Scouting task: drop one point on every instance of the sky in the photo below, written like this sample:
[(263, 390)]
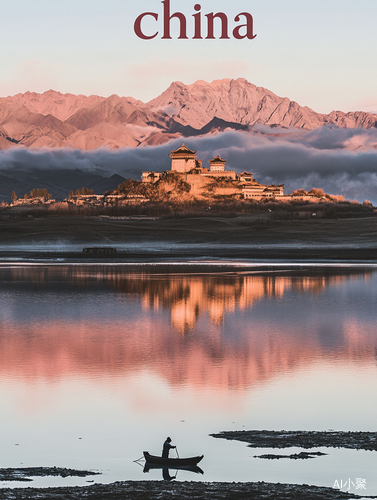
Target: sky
[(320, 54)]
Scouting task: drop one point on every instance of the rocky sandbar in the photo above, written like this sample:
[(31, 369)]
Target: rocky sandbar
[(26, 473), (303, 439)]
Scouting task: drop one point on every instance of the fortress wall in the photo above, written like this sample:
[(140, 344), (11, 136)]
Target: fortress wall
[(226, 191), (182, 164), (224, 173)]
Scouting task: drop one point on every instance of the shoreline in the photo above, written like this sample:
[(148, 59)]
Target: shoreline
[(152, 490), (195, 238), (278, 254), (192, 265)]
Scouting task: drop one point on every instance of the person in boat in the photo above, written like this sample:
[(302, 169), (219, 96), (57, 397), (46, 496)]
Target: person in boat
[(166, 448)]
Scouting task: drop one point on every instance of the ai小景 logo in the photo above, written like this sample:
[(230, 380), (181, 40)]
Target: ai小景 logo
[(359, 484)]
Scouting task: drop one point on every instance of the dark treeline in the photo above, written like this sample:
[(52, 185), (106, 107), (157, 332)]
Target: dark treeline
[(268, 210)]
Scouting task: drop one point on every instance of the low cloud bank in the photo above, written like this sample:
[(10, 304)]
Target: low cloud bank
[(340, 161)]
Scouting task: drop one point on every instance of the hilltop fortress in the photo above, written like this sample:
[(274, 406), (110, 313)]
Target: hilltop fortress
[(186, 181), (215, 178)]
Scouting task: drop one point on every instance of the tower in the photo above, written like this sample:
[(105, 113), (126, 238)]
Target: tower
[(217, 164), (183, 159)]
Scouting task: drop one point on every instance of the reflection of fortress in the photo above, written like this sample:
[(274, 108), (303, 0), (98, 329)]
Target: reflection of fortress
[(186, 296), (184, 162), (211, 353), (189, 297)]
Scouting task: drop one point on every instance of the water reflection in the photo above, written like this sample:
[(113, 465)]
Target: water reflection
[(122, 356), (166, 476), (227, 330)]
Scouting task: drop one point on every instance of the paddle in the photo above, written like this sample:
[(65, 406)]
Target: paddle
[(176, 450)]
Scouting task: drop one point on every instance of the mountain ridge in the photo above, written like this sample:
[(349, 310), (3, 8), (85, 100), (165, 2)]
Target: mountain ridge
[(53, 119)]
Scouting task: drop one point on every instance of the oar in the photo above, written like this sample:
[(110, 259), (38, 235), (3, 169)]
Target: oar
[(176, 450)]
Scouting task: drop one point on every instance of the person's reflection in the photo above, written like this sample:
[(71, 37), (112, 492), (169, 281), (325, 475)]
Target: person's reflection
[(166, 475)]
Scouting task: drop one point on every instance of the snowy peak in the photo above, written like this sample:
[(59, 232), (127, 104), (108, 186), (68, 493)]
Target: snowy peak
[(53, 119), (233, 101)]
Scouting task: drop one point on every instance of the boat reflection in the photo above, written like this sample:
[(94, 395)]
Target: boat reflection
[(166, 470)]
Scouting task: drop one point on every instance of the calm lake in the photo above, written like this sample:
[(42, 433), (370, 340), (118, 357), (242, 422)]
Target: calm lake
[(101, 362)]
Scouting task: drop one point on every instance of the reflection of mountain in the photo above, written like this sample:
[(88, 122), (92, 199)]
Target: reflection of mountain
[(238, 329)]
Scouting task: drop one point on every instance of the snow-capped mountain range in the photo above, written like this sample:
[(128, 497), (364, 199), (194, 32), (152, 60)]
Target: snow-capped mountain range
[(53, 119)]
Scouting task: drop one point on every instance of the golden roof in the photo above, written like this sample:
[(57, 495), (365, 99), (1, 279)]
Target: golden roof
[(183, 150), (217, 159)]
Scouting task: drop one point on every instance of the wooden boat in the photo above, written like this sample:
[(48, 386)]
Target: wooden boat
[(152, 459)]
